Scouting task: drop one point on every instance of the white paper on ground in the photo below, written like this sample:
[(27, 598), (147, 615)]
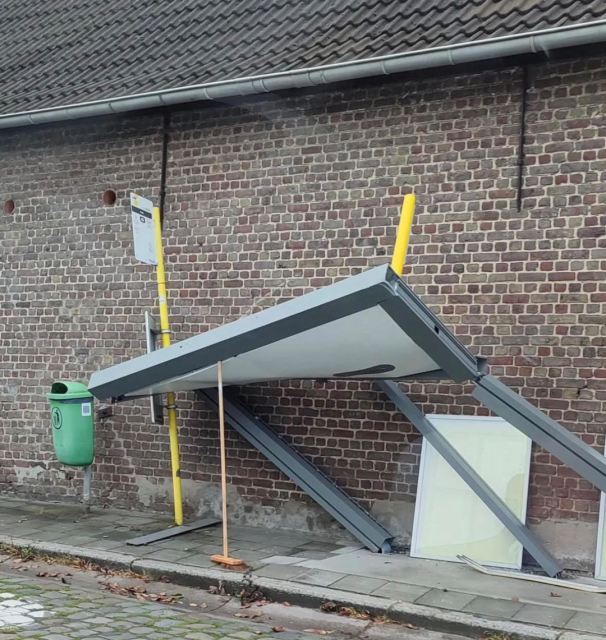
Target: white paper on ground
[(450, 519)]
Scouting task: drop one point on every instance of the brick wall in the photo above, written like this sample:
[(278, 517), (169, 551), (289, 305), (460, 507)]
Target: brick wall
[(272, 201)]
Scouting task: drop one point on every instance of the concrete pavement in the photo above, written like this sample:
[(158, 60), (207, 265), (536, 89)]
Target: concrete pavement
[(441, 596)]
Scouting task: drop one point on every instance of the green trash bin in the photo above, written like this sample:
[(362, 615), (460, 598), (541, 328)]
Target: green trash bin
[(72, 420)]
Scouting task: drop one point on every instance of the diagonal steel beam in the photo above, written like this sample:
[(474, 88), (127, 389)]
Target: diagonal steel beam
[(540, 428), (332, 498), (517, 528)]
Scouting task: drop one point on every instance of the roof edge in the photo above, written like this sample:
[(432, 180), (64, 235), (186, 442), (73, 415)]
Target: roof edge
[(448, 55)]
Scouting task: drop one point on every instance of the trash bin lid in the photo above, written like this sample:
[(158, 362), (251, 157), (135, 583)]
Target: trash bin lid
[(65, 389)]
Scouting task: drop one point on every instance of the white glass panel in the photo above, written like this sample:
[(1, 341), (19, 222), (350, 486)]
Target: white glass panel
[(450, 519)]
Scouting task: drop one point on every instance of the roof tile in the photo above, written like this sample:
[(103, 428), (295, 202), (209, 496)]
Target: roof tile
[(57, 52)]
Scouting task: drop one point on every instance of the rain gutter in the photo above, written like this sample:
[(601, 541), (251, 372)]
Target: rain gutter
[(451, 55)]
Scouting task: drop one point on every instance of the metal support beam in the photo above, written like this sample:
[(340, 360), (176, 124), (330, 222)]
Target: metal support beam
[(547, 433), (172, 532), (86, 489), (330, 497), (152, 333), (430, 334), (517, 528)]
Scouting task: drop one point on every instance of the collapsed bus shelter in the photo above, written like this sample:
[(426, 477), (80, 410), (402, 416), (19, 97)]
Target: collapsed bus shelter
[(367, 327)]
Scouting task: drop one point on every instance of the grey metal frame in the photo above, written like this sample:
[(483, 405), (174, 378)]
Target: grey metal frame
[(330, 497), (152, 332), (172, 532), (475, 482), (547, 433), (379, 286)]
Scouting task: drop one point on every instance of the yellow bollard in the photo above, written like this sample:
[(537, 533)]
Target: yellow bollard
[(170, 397), (401, 248)]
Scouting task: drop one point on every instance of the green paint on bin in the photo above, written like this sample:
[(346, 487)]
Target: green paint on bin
[(72, 423)]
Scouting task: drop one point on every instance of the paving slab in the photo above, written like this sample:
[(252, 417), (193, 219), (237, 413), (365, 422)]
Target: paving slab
[(590, 622), (493, 607), (545, 616), (317, 577), (347, 549), (280, 571), (196, 560), (445, 599), (358, 584), (168, 555), (454, 577), (282, 560), (400, 592)]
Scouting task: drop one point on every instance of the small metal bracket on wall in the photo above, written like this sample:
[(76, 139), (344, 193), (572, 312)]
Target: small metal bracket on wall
[(152, 334)]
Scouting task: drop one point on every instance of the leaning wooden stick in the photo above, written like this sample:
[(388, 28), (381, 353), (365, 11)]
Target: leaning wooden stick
[(225, 558)]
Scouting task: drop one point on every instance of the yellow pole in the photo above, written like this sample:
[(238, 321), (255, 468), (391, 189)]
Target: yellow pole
[(223, 459), (170, 397), (401, 248)]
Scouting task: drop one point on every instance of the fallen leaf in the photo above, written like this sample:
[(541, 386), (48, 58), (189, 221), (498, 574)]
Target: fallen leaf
[(321, 632), (411, 626), (42, 574), (351, 612), (164, 579), (277, 629), (553, 594), (256, 614), (203, 605), (193, 604), (287, 604), (17, 560), (241, 615)]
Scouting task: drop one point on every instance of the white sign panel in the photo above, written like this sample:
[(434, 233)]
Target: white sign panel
[(143, 229)]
